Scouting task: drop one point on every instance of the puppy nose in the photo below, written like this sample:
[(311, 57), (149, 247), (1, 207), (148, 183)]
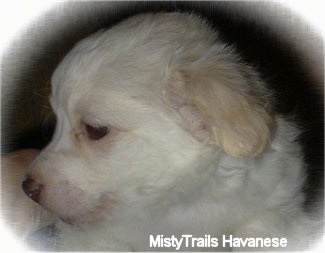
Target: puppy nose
[(32, 189)]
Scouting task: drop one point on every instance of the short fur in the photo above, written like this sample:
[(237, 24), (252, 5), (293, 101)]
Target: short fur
[(195, 147)]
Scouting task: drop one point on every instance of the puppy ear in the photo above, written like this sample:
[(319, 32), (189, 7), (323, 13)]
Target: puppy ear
[(225, 107)]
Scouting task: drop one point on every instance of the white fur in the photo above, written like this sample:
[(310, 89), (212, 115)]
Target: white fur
[(175, 161)]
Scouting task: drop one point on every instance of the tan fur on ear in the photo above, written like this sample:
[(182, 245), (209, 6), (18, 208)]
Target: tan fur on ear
[(230, 108)]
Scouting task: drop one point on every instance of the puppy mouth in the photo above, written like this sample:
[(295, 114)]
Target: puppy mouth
[(83, 220), (75, 221), (68, 220), (93, 217)]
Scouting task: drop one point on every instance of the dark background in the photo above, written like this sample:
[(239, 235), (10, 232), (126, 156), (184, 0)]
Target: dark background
[(27, 120)]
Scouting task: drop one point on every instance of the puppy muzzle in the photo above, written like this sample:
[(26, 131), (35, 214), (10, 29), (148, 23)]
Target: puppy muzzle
[(32, 189)]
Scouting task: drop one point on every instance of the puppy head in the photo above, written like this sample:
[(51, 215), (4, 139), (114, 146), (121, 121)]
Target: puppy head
[(140, 107)]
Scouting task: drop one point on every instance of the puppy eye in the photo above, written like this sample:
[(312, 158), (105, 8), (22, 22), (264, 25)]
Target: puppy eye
[(96, 133)]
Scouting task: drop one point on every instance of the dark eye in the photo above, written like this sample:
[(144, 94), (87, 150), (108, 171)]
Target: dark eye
[(96, 133)]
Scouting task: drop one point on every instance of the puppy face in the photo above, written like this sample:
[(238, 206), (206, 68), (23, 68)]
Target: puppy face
[(108, 145), (139, 107)]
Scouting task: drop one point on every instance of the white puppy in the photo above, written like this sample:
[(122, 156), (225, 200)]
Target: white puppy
[(163, 130)]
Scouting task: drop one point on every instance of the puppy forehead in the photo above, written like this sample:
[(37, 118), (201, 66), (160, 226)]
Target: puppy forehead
[(144, 44), (95, 74), (111, 101), (132, 58), (104, 105)]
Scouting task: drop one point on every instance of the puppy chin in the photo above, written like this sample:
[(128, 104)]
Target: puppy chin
[(63, 200), (92, 218), (95, 216)]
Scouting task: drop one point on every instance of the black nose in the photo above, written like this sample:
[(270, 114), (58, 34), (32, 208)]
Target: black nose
[(32, 189)]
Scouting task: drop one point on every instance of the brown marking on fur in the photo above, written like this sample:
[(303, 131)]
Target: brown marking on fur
[(232, 114)]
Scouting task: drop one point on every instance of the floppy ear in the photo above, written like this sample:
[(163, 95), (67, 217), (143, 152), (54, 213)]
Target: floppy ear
[(225, 107)]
